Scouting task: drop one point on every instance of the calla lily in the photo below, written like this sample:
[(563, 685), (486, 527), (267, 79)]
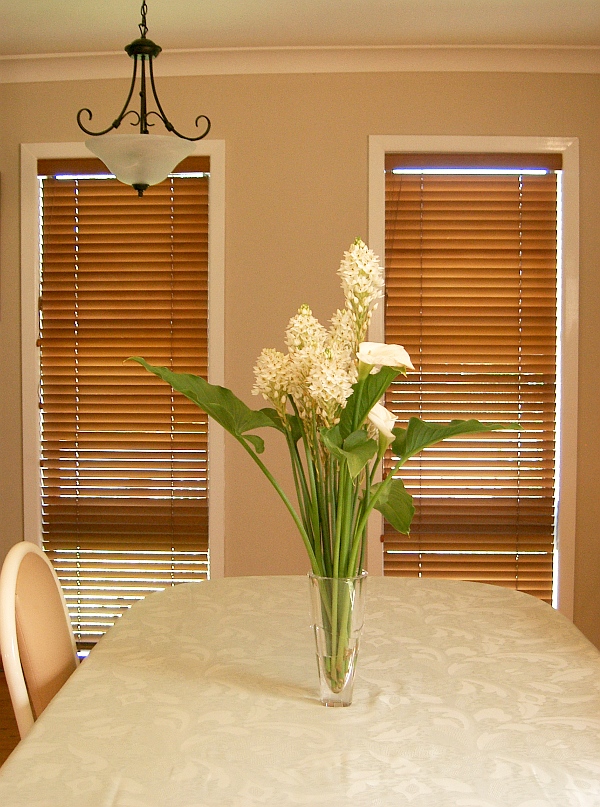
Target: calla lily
[(384, 422), (378, 355)]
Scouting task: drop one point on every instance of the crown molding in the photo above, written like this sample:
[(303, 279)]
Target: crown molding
[(359, 59)]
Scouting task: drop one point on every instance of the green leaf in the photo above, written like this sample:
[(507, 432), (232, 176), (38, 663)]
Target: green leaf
[(257, 442), (294, 426), (419, 434), (356, 450), (365, 395), (276, 421), (332, 441), (218, 402), (395, 504), (356, 439)]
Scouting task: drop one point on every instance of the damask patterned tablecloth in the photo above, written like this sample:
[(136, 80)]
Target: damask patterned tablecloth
[(205, 695)]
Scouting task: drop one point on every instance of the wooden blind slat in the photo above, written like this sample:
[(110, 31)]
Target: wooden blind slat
[(471, 285), (124, 461)]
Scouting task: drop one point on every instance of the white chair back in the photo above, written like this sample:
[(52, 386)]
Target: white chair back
[(37, 643)]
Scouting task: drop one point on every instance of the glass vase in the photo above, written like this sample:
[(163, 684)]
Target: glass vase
[(337, 611)]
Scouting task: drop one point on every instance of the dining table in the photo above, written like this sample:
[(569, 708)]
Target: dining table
[(206, 695)]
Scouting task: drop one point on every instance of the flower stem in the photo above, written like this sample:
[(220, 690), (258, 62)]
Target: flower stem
[(297, 520)]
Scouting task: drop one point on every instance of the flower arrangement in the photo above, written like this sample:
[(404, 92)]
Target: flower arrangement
[(325, 397)]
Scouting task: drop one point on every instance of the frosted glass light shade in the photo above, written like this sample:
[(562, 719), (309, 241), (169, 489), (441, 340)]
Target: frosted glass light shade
[(140, 160)]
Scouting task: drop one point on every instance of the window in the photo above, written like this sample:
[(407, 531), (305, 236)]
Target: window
[(471, 268), (124, 482), (471, 292)]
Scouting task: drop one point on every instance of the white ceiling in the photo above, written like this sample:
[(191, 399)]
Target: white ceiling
[(85, 26)]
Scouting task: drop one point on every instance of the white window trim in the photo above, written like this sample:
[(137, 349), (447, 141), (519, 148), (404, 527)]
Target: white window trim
[(30, 357), (568, 346)]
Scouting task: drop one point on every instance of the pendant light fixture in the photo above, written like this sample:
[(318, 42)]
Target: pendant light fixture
[(141, 159)]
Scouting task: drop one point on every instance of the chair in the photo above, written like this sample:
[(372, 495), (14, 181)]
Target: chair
[(37, 643)]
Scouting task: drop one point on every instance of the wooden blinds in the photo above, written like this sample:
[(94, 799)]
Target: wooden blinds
[(124, 460), (471, 274)]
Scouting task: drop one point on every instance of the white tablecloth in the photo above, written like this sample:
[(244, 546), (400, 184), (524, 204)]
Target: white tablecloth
[(206, 695)]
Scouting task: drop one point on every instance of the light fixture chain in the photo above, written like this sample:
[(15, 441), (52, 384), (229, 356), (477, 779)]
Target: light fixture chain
[(143, 27)]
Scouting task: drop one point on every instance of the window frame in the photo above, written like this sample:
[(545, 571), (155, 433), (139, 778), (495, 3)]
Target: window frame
[(30, 358), (568, 318)]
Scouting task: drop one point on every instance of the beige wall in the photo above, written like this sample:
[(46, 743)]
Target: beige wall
[(296, 196)]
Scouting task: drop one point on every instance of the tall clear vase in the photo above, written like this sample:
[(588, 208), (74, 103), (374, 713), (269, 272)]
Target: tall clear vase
[(337, 610)]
